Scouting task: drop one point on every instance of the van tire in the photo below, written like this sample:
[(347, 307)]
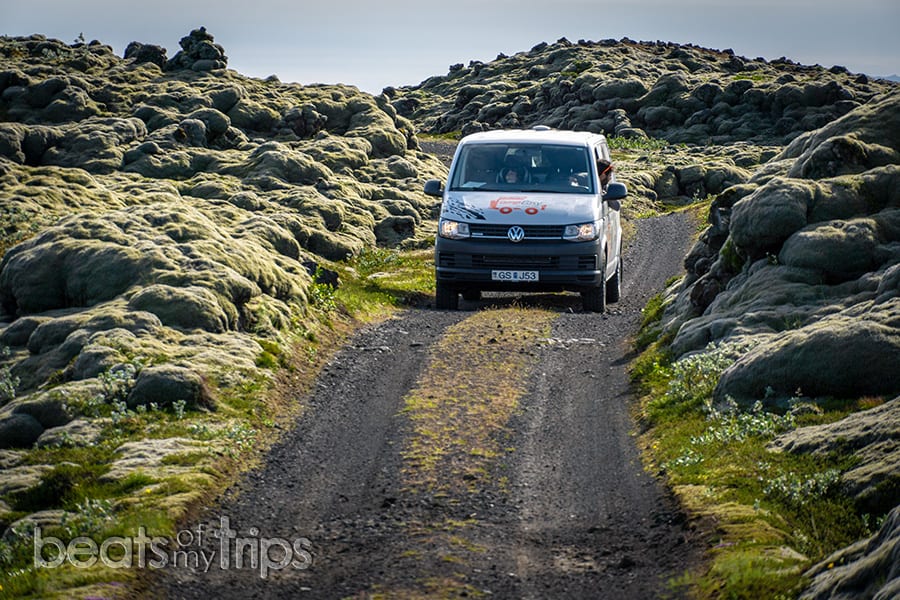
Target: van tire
[(594, 299), (614, 285), (445, 297)]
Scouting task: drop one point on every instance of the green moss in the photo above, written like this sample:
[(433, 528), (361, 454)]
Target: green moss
[(188, 459), (63, 487), (266, 360), (134, 481), (379, 277), (730, 257), (651, 315), (447, 135), (775, 514), (751, 77), (643, 144)]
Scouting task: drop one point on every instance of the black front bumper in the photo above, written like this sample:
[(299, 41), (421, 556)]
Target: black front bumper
[(561, 265)]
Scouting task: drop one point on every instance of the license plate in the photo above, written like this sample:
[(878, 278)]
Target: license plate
[(514, 276)]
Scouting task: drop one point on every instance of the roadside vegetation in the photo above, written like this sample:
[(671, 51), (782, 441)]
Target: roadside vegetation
[(640, 144), (764, 517), (214, 445)]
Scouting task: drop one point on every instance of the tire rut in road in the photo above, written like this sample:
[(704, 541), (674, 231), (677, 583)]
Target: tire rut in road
[(327, 479), (592, 522), (589, 521)]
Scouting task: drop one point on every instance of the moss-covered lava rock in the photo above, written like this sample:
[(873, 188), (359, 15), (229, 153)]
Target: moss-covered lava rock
[(682, 93)]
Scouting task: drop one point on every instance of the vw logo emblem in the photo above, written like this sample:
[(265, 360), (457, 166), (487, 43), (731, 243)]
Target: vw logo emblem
[(515, 234)]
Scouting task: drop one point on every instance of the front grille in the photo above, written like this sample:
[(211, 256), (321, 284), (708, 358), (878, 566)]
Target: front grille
[(531, 231), (515, 262), (586, 262)]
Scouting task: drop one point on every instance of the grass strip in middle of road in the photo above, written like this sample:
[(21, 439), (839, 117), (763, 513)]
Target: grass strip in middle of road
[(458, 415), (475, 377)]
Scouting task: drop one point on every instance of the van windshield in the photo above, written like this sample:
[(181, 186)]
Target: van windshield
[(554, 168)]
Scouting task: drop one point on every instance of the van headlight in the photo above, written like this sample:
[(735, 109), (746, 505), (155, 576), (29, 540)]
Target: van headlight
[(585, 232), (453, 230)]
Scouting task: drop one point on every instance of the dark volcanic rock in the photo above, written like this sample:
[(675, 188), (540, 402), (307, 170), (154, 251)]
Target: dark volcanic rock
[(680, 93), (166, 385), (866, 569), (198, 52), (19, 431), (146, 53)]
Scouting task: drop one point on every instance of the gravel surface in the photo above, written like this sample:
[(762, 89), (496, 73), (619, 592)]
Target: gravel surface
[(441, 149), (574, 515)]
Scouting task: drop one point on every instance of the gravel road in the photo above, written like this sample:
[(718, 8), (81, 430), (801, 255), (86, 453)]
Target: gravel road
[(573, 515)]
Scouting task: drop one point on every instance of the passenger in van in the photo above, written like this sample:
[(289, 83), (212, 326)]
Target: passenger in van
[(605, 169)]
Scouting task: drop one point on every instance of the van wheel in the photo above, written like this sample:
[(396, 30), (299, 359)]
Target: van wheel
[(594, 299), (471, 295), (614, 285), (445, 297)]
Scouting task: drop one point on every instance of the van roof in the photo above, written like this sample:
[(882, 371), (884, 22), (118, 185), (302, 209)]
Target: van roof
[(543, 135)]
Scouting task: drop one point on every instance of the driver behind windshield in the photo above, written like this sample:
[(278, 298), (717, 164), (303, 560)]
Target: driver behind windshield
[(513, 175)]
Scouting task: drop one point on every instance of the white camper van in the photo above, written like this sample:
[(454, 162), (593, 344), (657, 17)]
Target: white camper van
[(529, 210)]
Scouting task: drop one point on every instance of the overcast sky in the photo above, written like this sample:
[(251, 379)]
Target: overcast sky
[(374, 44)]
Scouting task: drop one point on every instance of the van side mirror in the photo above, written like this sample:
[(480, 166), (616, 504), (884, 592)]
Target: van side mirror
[(615, 191), (434, 187)]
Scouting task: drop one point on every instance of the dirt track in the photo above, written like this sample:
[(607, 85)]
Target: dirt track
[(566, 512)]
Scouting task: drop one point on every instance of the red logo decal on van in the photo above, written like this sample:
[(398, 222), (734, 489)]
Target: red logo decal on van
[(507, 204)]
